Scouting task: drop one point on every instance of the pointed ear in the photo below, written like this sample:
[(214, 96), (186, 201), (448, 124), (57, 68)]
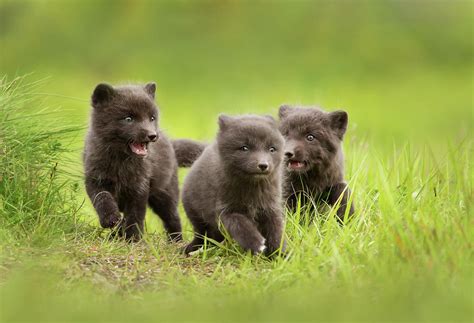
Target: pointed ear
[(270, 119), (103, 93), (150, 89), (224, 121), (284, 111), (339, 120)]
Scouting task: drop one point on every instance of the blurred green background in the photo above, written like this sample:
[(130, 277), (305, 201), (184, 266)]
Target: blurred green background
[(402, 69)]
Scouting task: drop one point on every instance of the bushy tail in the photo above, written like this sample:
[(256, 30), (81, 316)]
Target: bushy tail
[(187, 151)]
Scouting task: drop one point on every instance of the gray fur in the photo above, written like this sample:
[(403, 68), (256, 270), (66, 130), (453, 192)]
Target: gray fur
[(321, 178), (187, 151), (228, 184), (120, 180)]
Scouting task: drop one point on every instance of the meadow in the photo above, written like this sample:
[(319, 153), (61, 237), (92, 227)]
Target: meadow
[(402, 70)]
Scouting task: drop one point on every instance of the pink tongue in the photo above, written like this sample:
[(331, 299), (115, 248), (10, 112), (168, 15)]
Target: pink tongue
[(296, 164), (139, 149)]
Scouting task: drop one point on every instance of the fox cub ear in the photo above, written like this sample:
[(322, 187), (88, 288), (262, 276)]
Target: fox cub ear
[(339, 120), (103, 92), (150, 89), (284, 111), (270, 119), (224, 121)]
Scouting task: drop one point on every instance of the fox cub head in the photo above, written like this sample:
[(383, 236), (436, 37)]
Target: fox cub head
[(313, 137), (126, 117), (250, 145)]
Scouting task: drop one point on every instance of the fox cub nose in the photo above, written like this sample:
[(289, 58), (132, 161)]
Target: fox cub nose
[(289, 154), (152, 136), (263, 166)]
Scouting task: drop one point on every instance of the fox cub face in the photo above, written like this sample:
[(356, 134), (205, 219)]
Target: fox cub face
[(313, 137), (250, 145), (126, 117)]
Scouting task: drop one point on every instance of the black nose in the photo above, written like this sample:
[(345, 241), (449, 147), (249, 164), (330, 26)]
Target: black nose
[(152, 137), (263, 166), (289, 154)]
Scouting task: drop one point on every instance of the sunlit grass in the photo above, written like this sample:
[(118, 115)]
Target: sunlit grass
[(405, 256), (401, 69), (37, 201)]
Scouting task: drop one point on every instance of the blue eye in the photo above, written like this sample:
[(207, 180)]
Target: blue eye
[(128, 119), (244, 148), (310, 137), (272, 149)]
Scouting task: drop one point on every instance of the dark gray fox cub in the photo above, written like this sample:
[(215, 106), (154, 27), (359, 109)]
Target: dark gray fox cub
[(237, 181), (129, 162), (313, 156)]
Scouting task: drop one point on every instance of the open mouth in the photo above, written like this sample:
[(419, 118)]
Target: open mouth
[(296, 165), (139, 148)]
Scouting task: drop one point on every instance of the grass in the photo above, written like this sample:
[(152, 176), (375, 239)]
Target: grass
[(402, 70), (36, 203), (406, 255)]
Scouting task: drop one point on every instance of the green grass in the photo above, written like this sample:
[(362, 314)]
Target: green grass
[(36, 203), (402, 70), (406, 255)]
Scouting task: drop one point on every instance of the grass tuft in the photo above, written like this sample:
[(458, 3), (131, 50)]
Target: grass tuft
[(38, 203)]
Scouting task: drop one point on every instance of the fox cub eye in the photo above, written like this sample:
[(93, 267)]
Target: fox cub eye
[(244, 148), (272, 149), (152, 118), (310, 137), (129, 119)]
